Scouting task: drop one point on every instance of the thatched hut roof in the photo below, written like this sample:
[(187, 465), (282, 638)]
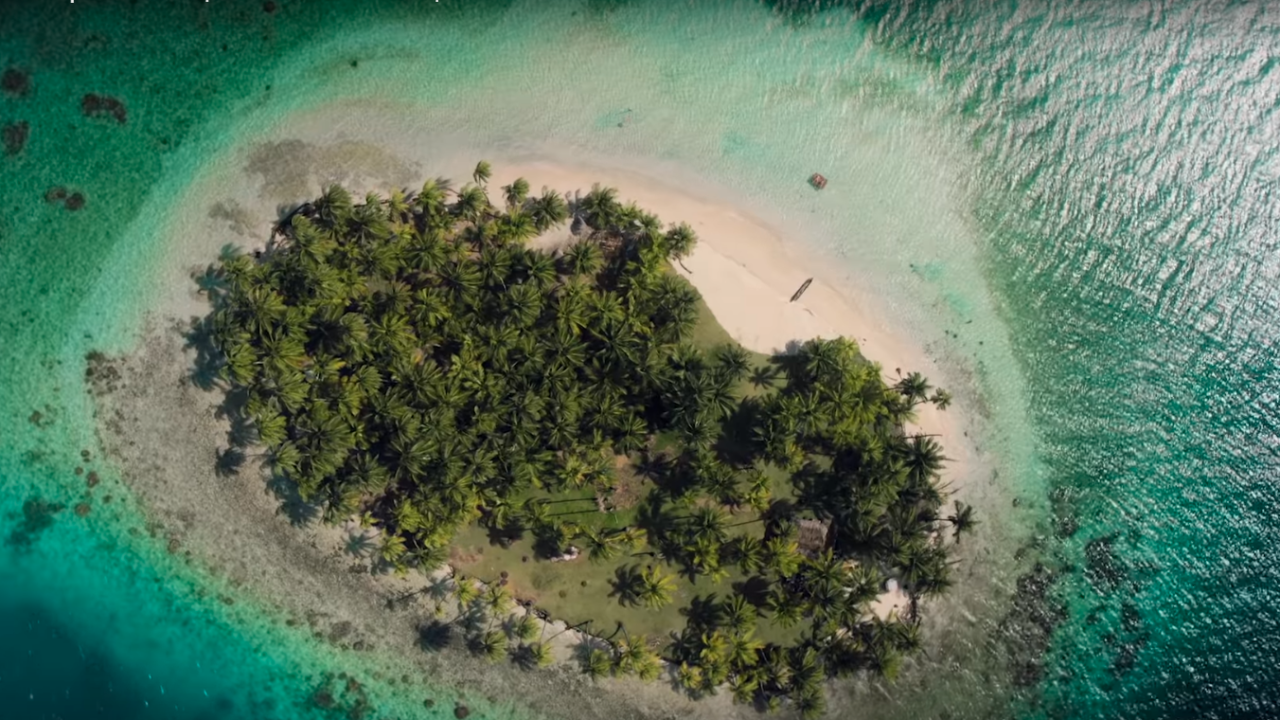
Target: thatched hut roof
[(814, 535)]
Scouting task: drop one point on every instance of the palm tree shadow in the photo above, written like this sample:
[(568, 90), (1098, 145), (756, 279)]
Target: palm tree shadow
[(764, 377), (212, 283), (736, 442), (362, 544), (300, 512), (588, 643), (440, 588), (654, 465), (704, 612), (229, 461), (625, 584), (435, 636), (209, 360), (755, 589)]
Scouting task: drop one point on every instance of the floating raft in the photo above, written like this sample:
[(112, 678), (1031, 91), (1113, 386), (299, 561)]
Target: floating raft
[(817, 181)]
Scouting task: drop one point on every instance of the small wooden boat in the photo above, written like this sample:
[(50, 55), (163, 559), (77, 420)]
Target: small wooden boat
[(817, 181), (800, 292)]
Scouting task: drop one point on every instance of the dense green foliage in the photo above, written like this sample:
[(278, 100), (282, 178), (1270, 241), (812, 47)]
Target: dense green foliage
[(413, 361)]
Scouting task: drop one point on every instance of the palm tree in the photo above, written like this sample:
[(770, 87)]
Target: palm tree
[(708, 523), (914, 387), (597, 664), (516, 193), (923, 458), (680, 241), (655, 588), (583, 258), (482, 173), (491, 644), (733, 361), (691, 677), (525, 628), (748, 552), (633, 537), (739, 615), (333, 207), (548, 210), (497, 600), (471, 203), (600, 207), (782, 555), (941, 399), (602, 545), (635, 658), (535, 654), (787, 609), (536, 513), (393, 548), (962, 519), (466, 593)]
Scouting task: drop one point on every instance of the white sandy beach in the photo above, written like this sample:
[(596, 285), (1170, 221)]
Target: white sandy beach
[(165, 433)]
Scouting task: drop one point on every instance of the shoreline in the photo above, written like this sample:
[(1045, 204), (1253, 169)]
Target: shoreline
[(740, 266)]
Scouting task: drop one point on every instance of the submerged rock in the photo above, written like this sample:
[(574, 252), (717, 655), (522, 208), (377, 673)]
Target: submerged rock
[(461, 711), (15, 136), (96, 106)]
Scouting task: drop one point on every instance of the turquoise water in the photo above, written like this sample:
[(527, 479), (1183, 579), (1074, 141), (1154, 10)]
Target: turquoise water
[(1074, 205)]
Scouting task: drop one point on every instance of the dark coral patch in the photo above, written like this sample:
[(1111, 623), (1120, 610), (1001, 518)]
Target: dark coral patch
[(97, 106), (15, 82), (93, 478), (268, 7), (15, 136), (37, 516), (82, 509), (57, 193), (462, 712), (75, 201)]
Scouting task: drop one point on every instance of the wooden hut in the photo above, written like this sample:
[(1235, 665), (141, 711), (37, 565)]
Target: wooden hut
[(814, 536)]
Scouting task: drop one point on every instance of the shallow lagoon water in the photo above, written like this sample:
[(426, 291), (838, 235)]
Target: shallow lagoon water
[(1074, 206)]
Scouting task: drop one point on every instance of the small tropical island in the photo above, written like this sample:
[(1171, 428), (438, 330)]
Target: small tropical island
[(571, 432)]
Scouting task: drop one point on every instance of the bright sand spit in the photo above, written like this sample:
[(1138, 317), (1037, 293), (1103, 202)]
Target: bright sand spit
[(165, 433)]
